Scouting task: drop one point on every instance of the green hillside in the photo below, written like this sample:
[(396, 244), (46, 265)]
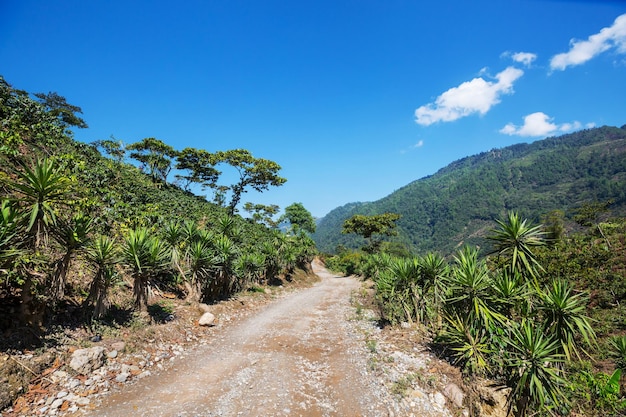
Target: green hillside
[(460, 202), (62, 203)]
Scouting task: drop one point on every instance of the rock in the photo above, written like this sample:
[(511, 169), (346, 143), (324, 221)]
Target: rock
[(207, 319), (57, 403), (121, 378), (112, 354), (454, 394), (118, 346), (83, 401), (62, 394), (204, 308), (85, 361), (439, 399)]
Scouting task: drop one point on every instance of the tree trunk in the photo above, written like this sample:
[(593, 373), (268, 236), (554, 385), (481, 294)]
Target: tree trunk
[(140, 289), (98, 296), (57, 287)]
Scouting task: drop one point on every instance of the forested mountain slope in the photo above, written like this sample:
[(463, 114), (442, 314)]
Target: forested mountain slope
[(458, 204)]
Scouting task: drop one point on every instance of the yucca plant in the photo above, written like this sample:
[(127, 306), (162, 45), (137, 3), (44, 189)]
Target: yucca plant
[(72, 234), (42, 187), (201, 263), (469, 290), (534, 374), (147, 257), (469, 342), (249, 268), (565, 317), (10, 240), (173, 235), (103, 254), (618, 350), (434, 270), (514, 239)]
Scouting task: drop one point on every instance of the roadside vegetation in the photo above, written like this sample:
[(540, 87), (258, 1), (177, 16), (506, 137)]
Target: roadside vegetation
[(90, 232), (538, 314)]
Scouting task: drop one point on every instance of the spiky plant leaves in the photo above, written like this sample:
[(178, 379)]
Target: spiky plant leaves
[(515, 239), (565, 317), (103, 253), (42, 187), (534, 374), (469, 342)]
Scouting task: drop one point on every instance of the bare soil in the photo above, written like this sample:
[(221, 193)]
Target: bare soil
[(294, 358), (311, 348)]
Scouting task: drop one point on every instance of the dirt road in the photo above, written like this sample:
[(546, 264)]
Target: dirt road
[(298, 357)]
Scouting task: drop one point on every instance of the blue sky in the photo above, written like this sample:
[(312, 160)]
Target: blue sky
[(354, 99)]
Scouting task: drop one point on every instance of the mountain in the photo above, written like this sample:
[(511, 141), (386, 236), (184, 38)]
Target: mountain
[(458, 204)]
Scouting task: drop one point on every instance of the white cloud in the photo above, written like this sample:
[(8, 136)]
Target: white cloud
[(475, 96), (524, 58), (419, 144), (582, 51), (540, 124)]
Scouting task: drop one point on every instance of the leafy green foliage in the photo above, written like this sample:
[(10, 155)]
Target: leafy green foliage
[(169, 237), (299, 218)]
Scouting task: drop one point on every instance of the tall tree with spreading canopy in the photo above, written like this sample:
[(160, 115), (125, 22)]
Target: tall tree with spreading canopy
[(65, 112), (200, 165), (156, 156), (256, 173), (262, 213), (368, 226)]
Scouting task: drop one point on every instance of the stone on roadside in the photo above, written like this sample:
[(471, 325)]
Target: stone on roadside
[(112, 354), (118, 346), (454, 394), (85, 361), (207, 319), (122, 377)]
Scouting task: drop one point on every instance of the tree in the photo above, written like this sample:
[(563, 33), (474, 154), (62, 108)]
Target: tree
[(367, 226), (112, 147), (58, 106), (299, 218), (156, 156), (201, 167), (256, 173), (262, 213)]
